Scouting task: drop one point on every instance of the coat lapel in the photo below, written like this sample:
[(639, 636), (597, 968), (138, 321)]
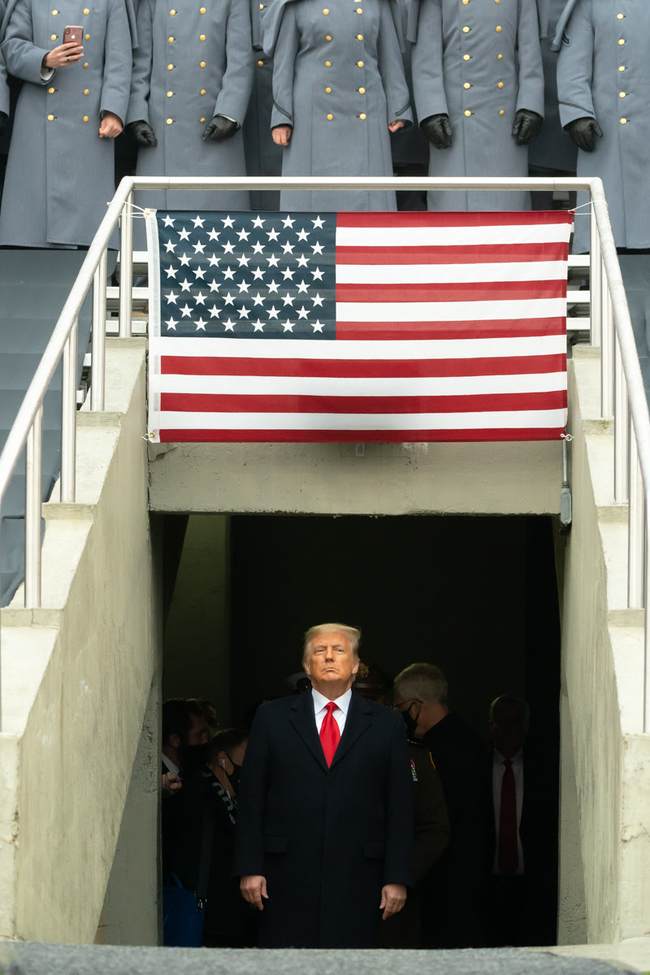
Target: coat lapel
[(302, 718), (358, 721)]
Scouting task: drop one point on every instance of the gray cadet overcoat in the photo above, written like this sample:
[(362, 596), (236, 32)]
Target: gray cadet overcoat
[(4, 87), (263, 157), (479, 63), (338, 79), (193, 61), (60, 174), (604, 73), (552, 149)]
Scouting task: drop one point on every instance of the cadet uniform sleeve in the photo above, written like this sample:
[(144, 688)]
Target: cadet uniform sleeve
[(399, 810), (249, 843), (4, 88), (142, 60), (232, 101), (117, 62), (22, 57), (529, 57), (391, 67), (284, 60), (575, 66), (427, 62)]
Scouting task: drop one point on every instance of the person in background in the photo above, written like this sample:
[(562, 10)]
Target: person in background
[(453, 899), (72, 105), (431, 820), (184, 725), (522, 901)]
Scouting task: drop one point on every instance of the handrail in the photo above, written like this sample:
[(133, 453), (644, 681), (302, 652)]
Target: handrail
[(622, 391)]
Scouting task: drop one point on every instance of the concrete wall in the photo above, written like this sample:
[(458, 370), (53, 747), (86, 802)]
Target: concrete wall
[(390, 479), (76, 747)]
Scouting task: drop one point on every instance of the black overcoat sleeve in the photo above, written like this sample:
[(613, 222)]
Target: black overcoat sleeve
[(249, 844), (399, 811)]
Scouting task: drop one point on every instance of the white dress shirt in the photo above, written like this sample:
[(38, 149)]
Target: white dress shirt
[(341, 712), (169, 765), (498, 768)]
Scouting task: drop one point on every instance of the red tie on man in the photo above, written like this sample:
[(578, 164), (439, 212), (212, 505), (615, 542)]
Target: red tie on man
[(508, 845), (330, 733)]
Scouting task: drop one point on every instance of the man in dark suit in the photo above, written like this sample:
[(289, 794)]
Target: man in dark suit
[(452, 895), (325, 828), (523, 804)]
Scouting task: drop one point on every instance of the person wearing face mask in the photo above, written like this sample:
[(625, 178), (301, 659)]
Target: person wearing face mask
[(452, 895)]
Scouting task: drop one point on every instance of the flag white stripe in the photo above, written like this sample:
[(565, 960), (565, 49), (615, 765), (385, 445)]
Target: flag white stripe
[(450, 273), (448, 311), (397, 386), (536, 419), (309, 349), (378, 237)]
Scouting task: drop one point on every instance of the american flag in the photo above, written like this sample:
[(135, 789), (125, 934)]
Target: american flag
[(358, 326)]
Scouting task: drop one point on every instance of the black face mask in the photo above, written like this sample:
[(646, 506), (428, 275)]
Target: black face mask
[(410, 722)]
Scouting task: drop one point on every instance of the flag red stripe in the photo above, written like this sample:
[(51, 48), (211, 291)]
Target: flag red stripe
[(460, 254), (357, 436), (452, 291), (357, 368), (426, 218), (493, 402), (450, 330)]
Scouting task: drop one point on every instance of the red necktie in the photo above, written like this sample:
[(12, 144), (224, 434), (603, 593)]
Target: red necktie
[(330, 734), (508, 846)]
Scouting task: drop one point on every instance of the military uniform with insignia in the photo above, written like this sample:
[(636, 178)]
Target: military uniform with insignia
[(263, 157), (338, 80), (604, 74), (479, 62), (60, 174), (194, 61)]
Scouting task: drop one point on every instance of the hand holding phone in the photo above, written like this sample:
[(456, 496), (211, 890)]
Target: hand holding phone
[(73, 34)]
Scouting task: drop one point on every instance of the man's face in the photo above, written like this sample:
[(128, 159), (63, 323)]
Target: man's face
[(331, 660), (199, 733)]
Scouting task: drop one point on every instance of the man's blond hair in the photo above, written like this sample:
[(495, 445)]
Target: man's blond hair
[(351, 633)]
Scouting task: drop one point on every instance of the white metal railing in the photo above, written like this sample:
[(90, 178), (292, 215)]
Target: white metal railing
[(623, 398)]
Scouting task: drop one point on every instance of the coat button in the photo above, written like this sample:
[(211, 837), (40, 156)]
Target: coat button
[(327, 89), (54, 37), (326, 11), (620, 16), (260, 62), (55, 13), (202, 91), (170, 67), (85, 118), (363, 116), (621, 67), (467, 113), (467, 57), (86, 91), (172, 12), (361, 64), (203, 10), (359, 10), (499, 56), (169, 121), (87, 37), (622, 94), (86, 11), (170, 94), (328, 37), (359, 37), (467, 86), (623, 120), (466, 29), (361, 90), (201, 37), (328, 64), (498, 28), (51, 91), (502, 112), (621, 41), (203, 65), (329, 117), (203, 120), (501, 84), (466, 3), (51, 118), (85, 65), (171, 39)]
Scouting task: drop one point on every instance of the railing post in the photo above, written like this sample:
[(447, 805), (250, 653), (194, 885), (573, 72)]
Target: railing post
[(606, 349), (595, 275), (646, 634), (621, 429), (98, 372), (636, 531), (126, 268), (33, 501), (69, 418)]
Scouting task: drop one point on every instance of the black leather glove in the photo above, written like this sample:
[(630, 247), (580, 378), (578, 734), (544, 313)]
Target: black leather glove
[(142, 134), (4, 118), (526, 126), (584, 132), (437, 130), (218, 129)]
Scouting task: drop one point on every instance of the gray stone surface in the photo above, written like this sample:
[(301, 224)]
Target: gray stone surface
[(41, 959)]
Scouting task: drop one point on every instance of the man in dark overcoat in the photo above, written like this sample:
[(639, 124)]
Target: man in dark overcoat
[(326, 808)]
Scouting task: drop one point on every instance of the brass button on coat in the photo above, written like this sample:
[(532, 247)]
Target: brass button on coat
[(363, 116), (86, 91), (203, 65), (328, 89), (85, 118), (51, 91), (169, 121), (201, 37), (361, 64), (87, 37), (51, 118), (202, 91), (467, 113), (467, 85), (86, 11), (260, 62), (501, 84), (359, 37), (329, 117), (170, 67), (54, 37), (328, 64), (361, 90), (170, 94)]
